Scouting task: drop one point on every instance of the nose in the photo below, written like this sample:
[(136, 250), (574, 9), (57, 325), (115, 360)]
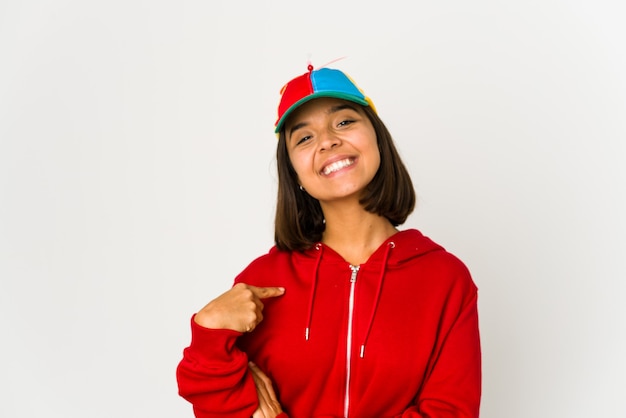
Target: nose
[(328, 140)]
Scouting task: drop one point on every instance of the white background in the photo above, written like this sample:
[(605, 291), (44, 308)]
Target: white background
[(137, 178)]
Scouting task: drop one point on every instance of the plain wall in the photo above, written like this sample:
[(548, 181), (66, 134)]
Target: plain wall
[(137, 178)]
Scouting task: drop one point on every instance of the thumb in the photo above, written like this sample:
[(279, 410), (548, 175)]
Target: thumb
[(267, 292)]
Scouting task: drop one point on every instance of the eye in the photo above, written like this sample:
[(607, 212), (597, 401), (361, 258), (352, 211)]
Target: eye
[(345, 122), (303, 140)]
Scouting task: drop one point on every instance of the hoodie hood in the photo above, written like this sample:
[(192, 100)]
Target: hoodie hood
[(407, 245), (398, 250)]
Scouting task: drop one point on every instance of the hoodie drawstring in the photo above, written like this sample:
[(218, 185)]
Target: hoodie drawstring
[(319, 247), (381, 277), (307, 330)]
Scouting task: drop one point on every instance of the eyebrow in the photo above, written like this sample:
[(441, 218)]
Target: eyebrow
[(333, 109)]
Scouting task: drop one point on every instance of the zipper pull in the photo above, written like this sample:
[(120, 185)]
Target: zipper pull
[(355, 270)]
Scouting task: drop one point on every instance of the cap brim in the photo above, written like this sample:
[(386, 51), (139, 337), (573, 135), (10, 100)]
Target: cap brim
[(317, 95)]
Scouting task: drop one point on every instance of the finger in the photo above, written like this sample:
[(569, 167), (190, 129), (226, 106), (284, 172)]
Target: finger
[(254, 319), (267, 292), (268, 403), (255, 294), (250, 326), (263, 410), (247, 295)]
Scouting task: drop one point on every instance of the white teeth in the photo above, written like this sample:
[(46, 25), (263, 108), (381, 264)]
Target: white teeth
[(338, 165)]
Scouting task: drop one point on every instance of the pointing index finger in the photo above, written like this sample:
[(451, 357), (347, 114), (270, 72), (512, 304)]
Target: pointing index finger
[(267, 292)]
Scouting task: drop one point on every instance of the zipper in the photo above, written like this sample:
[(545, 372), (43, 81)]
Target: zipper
[(346, 405)]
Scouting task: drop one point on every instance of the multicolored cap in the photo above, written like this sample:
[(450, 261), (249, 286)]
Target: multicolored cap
[(325, 82)]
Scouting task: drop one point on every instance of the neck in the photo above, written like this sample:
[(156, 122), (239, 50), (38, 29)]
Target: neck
[(355, 233)]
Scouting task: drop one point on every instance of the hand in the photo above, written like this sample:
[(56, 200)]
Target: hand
[(239, 309), (269, 407)]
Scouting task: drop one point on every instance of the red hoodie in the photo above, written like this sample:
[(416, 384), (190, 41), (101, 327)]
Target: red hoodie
[(396, 336)]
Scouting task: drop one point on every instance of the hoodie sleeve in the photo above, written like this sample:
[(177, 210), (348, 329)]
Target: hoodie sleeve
[(213, 375), (452, 389)]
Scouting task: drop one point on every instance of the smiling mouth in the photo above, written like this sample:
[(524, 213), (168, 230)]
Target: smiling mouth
[(337, 165)]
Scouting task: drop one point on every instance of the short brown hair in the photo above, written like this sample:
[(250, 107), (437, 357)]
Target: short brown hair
[(299, 222)]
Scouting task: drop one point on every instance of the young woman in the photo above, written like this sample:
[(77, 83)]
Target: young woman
[(346, 316)]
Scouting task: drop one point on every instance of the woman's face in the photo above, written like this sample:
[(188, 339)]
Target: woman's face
[(333, 148)]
